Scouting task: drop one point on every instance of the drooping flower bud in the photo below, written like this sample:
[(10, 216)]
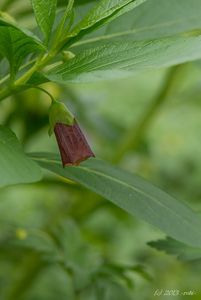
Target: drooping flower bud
[(72, 143)]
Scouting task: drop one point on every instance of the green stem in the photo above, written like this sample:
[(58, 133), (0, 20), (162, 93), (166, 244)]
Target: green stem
[(39, 64), (26, 76), (132, 139), (19, 84), (5, 78), (41, 89)]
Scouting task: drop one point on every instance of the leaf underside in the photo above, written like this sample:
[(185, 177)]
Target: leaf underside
[(15, 166), (153, 19), (131, 193), (121, 59), (15, 46), (182, 251)]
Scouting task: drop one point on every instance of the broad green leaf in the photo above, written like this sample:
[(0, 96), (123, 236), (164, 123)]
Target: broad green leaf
[(133, 194), (11, 23), (105, 11), (121, 59), (153, 19), (15, 45), (174, 247), (44, 11), (15, 166)]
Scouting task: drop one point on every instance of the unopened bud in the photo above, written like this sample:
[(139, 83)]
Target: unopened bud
[(71, 141), (67, 55)]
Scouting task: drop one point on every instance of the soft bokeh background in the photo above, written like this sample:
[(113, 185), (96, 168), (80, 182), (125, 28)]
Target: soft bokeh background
[(91, 232)]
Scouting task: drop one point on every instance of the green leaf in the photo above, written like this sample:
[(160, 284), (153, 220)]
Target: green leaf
[(105, 11), (181, 250), (113, 269), (15, 46), (44, 11), (11, 23), (121, 59), (16, 43), (133, 194), (37, 240), (65, 22), (152, 20), (15, 166)]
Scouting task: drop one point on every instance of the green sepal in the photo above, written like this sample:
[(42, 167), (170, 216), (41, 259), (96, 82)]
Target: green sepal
[(59, 113)]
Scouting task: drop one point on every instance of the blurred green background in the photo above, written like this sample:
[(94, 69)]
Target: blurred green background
[(105, 249)]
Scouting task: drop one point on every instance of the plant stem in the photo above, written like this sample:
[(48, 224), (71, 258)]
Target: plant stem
[(5, 78), (20, 82), (40, 63), (134, 136), (25, 77)]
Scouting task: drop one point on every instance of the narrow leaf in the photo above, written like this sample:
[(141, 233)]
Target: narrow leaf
[(28, 33), (121, 59), (15, 45), (44, 11), (174, 247), (15, 166), (133, 194), (105, 11), (152, 20)]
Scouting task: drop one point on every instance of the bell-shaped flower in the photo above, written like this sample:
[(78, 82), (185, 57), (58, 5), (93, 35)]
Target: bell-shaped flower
[(72, 143)]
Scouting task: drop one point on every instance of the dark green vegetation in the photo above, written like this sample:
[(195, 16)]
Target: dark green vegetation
[(129, 70)]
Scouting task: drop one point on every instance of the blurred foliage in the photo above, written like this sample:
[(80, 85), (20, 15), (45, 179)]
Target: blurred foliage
[(97, 245), (60, 241)]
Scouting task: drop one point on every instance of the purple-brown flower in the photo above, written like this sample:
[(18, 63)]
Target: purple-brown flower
[(72, 144)]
